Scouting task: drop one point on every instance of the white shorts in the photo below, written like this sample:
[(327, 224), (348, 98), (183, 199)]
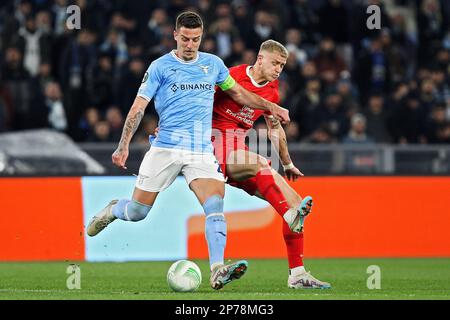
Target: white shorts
[(161, 166)]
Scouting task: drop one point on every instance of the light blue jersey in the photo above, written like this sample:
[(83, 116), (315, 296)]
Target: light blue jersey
[(184, 93)]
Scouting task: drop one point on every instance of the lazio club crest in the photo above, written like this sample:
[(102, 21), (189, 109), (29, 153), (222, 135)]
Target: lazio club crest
[(204, 68)]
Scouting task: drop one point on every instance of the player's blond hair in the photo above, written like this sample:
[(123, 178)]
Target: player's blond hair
[(274, 46)]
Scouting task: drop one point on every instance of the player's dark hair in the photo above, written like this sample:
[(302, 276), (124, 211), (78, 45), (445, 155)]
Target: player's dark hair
[(189, 19)]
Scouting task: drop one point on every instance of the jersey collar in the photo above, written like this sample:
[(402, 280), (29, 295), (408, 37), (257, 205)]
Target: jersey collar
[(181, 60), (256, 84)]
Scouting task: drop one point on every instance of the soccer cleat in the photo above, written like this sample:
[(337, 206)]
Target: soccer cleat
[(304, 210), (306, 281), (293, 219), (101, 220), (224, 274)]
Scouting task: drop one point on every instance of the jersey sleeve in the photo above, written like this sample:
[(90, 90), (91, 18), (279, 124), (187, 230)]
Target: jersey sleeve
[(150, 82)]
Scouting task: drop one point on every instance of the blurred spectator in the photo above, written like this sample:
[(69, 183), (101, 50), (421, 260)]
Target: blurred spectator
[(263, 28), (59, 10), (431, 29), (331, 115), (87, 123), (102, 87), (292, 131), (372, 70), (248, 57), (242, 18), (441, 84), (357, 133), (304, 18), (6, 111), (396, 56), (115, 120), (428, 94), (294, 45), (208, 45), (436, 125), (320, 135), (237, 49), (129, 83), (336, 15), (115, 47), (224, 34), (102, 132), (34, 44), (329, 63), (305, 105), (409, 119), (76, 66), (443, 133), (16, 81), (55, 109), (13, 21), (152, 32), (377, 119), (345, 89)]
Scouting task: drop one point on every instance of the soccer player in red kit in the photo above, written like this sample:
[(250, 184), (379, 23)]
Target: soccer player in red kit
[(251, 172)]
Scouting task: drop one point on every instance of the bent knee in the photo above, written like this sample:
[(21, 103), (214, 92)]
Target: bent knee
[(263, 163), (136, 211)]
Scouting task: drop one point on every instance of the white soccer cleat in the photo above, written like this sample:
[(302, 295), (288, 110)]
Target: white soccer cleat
[(292, 218), (101, 220), (306, 281), (224, 274), (295, 218)]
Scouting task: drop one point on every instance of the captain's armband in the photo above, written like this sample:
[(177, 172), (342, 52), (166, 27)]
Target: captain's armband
[(227, 84)]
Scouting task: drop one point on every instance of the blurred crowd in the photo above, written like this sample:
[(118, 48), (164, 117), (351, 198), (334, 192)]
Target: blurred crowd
[(342, 82)]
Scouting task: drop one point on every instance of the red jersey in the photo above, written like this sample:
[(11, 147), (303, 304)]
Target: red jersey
[(228, 114)]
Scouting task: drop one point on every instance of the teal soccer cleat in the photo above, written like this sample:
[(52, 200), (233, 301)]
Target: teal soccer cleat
[(224, 274)]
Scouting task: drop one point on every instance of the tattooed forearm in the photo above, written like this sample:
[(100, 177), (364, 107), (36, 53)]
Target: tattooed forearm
[(283, 151), (131, 124)]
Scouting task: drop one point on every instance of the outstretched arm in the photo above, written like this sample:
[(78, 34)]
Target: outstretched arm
[(245, 97), (134, 117), (277, 136)]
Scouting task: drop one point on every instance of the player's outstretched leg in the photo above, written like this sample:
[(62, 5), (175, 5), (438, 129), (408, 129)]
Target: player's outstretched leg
[(224, 274), (124, 209)]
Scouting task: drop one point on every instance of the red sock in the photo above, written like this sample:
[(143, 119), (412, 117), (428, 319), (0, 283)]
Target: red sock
[(294, 246), (267, 187)]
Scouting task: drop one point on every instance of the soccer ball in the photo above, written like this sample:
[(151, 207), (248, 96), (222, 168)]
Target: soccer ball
[(184, 276)]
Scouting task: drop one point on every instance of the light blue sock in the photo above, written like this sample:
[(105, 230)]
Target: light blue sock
[(130, 210), (118, 210), (215, 229)]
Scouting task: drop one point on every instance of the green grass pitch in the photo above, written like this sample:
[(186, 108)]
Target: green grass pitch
[(265, 279)]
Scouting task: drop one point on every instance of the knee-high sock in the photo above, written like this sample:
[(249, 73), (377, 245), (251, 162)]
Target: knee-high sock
[(215, 230), (130, 210), (294, 246), (267, 187)]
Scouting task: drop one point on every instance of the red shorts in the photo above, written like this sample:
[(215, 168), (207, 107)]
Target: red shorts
[(222, 149)]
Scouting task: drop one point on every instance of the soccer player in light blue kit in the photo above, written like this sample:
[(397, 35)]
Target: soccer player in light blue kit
[(182, 83)]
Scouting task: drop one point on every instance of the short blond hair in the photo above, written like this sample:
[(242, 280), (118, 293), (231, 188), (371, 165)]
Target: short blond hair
[(274, 46)]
